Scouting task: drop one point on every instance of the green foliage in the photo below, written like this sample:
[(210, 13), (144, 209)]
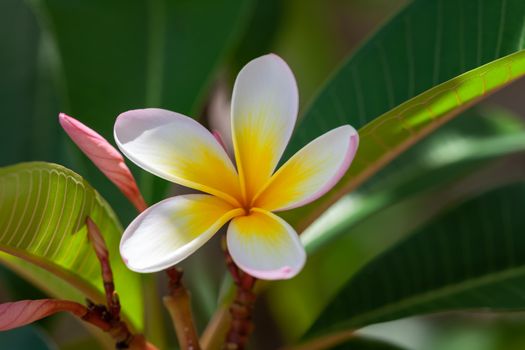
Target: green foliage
[(466, 146), (427, 44), (402, 61), (42, 219), (113, 56), (468, 258), (457, 162), (121, 55), (28, 101)]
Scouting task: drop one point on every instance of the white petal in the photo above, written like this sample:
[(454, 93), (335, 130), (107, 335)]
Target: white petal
[(265, 246), (169, 231), (311, 172), (264, 109), (178, 149)]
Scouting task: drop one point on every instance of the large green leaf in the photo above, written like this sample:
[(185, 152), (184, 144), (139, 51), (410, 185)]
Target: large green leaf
[(120, 55), (460, 148), (426, 44), (472, 257), (43, 208), (456, 162)]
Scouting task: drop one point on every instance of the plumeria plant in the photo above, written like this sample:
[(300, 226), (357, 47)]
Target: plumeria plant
[(259, 244), (255, 224)]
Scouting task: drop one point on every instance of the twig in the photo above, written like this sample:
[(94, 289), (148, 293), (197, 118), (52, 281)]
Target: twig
[(101, 251), (99, 316), (178, 304), (107, 317), (102, 317), (241, 308)]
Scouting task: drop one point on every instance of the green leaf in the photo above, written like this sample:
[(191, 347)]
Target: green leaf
[(43, 208), (472, 257), (426, 44), (45, 279), (121, 55), (455, 163), (462, 147)]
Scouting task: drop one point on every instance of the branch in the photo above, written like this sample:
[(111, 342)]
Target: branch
[(107, 317), (112, 300), (241, 308), (178, 304)]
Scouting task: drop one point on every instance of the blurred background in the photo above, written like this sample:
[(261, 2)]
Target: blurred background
[(96, 59)]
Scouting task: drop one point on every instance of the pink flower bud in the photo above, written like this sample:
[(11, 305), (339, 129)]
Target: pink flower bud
[(105, 157)]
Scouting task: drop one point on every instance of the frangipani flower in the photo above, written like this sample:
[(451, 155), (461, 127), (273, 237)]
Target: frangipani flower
[(179, 149)]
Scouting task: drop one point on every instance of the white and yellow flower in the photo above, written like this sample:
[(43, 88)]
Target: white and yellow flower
[(179, 149)]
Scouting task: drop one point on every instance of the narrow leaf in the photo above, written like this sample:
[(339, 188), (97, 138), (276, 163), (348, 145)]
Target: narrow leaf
[(458, 162), (387, 136), (426, 44), (471, 257)]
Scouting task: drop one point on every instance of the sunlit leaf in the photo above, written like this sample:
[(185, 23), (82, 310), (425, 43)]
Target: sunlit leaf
[(387, 136), (43, 208), (471, 48)]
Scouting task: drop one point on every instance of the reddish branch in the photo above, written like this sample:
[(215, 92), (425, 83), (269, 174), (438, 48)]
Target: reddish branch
[(101, 251), (107, 317), (102, 318), (178, 304), (242, 306)]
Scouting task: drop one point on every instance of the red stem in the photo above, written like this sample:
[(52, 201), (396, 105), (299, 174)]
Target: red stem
[(242, 306), (112, 299), (107, 317)]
